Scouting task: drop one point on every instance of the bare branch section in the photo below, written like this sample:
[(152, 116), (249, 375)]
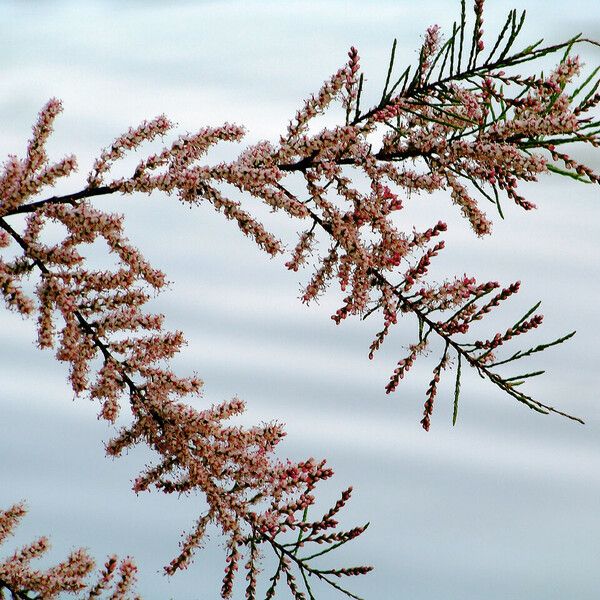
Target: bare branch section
[(460, 121)]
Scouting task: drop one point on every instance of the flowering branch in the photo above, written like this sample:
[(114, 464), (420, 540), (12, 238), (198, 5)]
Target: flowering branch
[(243, 484), (450, 125), (18, 579)]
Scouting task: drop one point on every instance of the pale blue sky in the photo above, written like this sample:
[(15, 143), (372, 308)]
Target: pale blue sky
[(505, 506)]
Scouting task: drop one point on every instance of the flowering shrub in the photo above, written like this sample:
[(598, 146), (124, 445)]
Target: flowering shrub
[(463, 120)]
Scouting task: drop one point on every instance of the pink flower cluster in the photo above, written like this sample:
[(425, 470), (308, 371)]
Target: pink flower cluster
[(20, 579)]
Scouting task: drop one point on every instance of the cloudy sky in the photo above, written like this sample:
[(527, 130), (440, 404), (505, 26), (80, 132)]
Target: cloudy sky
[(503, 506)]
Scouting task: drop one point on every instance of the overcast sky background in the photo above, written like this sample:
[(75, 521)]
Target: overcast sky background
[(506, 505)]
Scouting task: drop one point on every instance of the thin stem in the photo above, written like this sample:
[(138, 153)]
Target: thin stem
[(67, 199), (481, 368), (301, 564)]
